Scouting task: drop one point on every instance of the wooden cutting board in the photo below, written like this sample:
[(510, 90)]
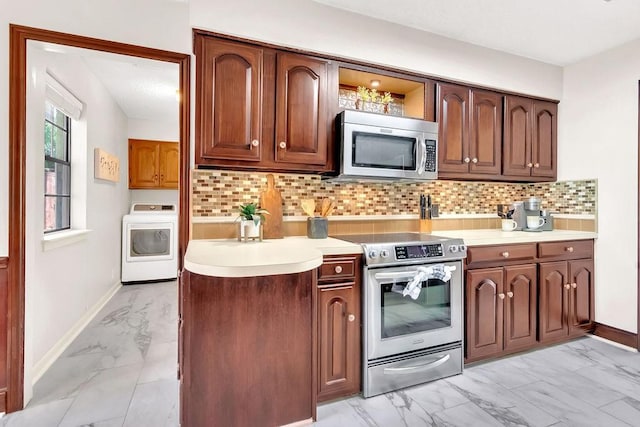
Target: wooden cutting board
[(271, 200)]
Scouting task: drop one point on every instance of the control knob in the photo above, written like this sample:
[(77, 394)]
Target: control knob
[(384, 253), (453, 248), (373, 254), (462, 248)]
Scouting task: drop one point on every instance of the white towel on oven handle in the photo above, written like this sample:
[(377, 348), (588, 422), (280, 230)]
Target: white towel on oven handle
[(437, 271)]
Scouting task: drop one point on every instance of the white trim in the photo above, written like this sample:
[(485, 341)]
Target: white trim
[(59, 239), (613, 343), (40, 367), (60, 96)]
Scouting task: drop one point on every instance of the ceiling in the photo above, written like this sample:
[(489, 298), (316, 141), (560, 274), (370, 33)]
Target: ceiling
[(558, 32), (144, 89)]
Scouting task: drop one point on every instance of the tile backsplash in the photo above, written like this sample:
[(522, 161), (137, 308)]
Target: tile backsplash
[(218, 193)]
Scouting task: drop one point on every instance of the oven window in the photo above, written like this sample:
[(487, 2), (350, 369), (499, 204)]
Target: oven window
[(150, 242), (402, 315), (383, 151)]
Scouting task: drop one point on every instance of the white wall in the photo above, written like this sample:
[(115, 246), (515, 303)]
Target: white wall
[(161, 130), (63, 283), (598, 138)]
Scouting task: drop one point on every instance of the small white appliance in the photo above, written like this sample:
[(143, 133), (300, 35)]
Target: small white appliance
[(149, 243)]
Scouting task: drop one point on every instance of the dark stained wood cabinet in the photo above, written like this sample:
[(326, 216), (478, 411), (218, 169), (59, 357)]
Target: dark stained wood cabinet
[(301, 110), (566, 289), (470, 134), (339, 336), (501, 310), (247, 350), (260, 108), (530, 138), (524, 295), (229, 92), (153, 164), (4, 289)]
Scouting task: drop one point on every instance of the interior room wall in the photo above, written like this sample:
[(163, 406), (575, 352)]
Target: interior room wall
[(160, 130), (598, 138), (63, 283)]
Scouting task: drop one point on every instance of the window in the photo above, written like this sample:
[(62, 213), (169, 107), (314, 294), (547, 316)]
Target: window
[(57, 169)]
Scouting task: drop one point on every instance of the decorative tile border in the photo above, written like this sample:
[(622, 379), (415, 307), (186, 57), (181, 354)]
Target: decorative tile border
[(218, 193)]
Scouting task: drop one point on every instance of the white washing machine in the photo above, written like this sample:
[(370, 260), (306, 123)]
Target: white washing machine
[(150, 243)]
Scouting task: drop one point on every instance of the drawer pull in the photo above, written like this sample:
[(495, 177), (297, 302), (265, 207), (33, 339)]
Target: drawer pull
[(505, 254), (567, 286), (338, 269), (501, 296), (351, 317), (569, 249), (574, 285), (510, 294)]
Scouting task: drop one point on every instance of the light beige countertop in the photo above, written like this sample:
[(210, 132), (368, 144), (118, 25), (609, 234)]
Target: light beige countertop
[(499, 237), (230, 258)]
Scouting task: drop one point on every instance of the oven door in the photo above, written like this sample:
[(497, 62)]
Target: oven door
[(150, 242), (396, 324)]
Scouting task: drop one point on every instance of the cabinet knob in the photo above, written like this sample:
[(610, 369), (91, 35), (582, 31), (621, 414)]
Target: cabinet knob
[(161, 178), (529, 165), (505, 254), (467, 160), (338, 269), (567, 286), (536, 165), (155, 177), (351, 317), (510, 294), (574, 285), (255, 143), (474, 160), (501, 296), (282, 145), (569, 249)]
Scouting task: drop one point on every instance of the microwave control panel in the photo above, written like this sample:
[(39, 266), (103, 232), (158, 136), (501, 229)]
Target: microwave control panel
[(432, 156), (419, 251)]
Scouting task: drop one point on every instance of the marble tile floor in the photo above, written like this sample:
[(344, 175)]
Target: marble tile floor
[(121, 371)]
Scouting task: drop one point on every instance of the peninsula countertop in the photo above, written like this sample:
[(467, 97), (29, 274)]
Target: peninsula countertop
[(230, 258)]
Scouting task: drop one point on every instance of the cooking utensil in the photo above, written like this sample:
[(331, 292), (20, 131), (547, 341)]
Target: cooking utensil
[(326, 203), (271, 200), (331, 208), (309, 207)]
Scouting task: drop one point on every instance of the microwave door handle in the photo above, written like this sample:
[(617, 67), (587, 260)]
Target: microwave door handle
[(422, 164)]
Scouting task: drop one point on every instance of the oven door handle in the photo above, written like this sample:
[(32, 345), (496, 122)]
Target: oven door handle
[(422, 367), (396, 275)]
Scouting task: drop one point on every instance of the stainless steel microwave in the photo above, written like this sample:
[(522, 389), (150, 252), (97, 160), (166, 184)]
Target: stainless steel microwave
[(380, 146)]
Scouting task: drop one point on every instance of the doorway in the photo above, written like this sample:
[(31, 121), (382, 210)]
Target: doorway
[(19, 36)]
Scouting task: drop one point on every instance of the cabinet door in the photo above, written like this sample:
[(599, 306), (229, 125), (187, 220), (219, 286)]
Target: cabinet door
[(544, 144), (339, 341), (484, 313), (229, 90), (520, 313), (517, 136), (581, 300), (453, 138), (485, 142), (143, 164), (554, 295), (169, 164), (301, 112)]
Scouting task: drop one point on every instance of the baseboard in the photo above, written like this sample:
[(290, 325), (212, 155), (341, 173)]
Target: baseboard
[(616, 335), (40, 367)]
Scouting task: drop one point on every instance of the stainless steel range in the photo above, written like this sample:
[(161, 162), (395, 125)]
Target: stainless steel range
[(412, 305)]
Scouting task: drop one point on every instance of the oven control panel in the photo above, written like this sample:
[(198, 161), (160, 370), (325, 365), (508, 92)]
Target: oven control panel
[(419, 251)]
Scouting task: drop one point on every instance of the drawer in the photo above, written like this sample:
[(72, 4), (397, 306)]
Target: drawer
[(570, 249), (337, 268), (501, 253)]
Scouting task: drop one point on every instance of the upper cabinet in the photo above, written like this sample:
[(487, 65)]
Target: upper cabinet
[(153, 164), (470, 132), (260, 108), (530, 138)]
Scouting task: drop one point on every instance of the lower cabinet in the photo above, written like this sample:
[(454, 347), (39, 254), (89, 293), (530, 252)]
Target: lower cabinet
[(566, 299), (501, 310), (339, 337), (520, 296)]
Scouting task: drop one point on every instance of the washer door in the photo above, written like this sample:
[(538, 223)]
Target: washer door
[(150, 242)]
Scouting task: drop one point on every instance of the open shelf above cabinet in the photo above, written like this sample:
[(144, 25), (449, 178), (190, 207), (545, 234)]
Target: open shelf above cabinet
[(408, 95)]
